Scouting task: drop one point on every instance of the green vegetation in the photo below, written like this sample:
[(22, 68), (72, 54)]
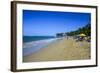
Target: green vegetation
[(86, 30)]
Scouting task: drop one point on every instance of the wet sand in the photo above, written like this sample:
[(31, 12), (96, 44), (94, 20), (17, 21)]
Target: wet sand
[(61, 50)]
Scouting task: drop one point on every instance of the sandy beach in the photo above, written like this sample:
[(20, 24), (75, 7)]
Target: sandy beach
[(61, 50)]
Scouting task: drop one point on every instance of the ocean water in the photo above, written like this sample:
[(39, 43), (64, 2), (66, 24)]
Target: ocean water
[(32, 44), (35, 38), (35, 46)]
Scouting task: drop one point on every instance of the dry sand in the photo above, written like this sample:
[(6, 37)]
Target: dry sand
[(60, 50)]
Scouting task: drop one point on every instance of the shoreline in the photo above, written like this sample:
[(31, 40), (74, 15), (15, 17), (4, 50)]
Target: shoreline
[(34, 46), (64, 49)]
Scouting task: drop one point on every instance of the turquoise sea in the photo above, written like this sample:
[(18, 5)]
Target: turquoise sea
[(35, 38)]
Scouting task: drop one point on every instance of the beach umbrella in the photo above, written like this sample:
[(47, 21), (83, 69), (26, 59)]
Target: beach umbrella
[(83, 35)]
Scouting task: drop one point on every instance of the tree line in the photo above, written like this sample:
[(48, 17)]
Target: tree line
[(85, 30)]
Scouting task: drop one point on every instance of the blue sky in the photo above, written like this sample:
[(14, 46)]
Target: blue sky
[(48, 23)]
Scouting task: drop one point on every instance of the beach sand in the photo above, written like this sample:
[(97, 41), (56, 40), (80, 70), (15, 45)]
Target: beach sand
[(61, 50)]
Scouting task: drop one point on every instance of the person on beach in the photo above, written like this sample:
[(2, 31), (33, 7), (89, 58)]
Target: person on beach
[(67, 37)]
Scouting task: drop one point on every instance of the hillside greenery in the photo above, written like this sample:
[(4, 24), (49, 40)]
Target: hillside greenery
[(85, 30)]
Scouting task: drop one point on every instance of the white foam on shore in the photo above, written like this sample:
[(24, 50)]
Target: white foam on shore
[(33, 43), (34, 46)]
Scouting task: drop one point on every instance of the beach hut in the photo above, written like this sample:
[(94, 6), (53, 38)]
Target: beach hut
[(82, 35)]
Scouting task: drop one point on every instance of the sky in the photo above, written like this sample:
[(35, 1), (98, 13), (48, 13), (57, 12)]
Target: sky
[(49, 23)]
